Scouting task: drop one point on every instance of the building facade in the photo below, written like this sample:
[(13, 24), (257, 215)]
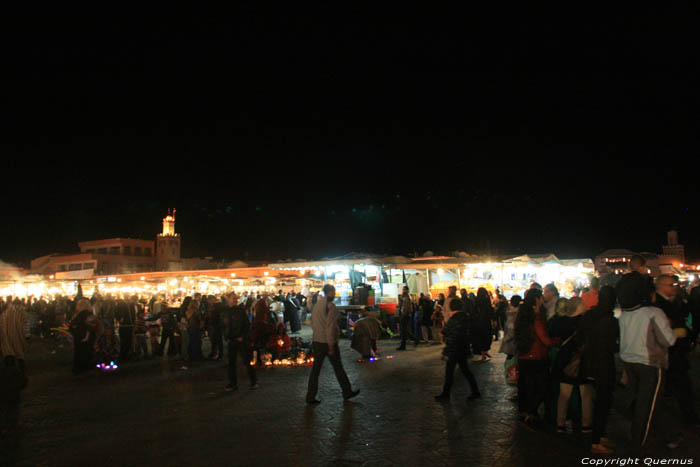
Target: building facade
[(669, 262), (108, 256)]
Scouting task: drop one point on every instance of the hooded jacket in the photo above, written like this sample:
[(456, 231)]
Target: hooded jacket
[(645, 336), (456, 333)]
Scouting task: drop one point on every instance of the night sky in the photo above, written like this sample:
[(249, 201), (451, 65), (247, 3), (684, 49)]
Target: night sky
[(307, 133)]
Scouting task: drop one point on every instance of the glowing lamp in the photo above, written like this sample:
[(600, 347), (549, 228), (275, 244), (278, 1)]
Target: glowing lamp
[(280, 343), (267, 273), (233, 274), (143, 278), (51, 276)]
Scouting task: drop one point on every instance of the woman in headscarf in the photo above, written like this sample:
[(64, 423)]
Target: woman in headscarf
[(481, 325), (83, 337)]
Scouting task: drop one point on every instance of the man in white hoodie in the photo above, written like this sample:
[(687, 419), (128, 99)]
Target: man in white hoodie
[(324, 323), (645, 336)]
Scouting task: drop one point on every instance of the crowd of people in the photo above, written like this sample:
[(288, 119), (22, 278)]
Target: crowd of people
[(560, 352), (111, 329), (564, 351), (424, 320)]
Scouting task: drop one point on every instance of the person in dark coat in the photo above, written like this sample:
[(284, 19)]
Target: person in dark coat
[(428, 307), (481, 332), (599, 331), (501, 315), (168, 324), (83, 338), (456, 333), (126, 316), (678, 382), (237, 335), (291, 313)]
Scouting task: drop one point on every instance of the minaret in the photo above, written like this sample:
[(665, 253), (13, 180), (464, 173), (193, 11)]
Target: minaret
[(169, 224), (673, 249), (168, 245)]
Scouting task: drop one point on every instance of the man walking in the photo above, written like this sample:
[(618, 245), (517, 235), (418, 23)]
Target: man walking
[(237, 330), (456, 333), (324, 323)]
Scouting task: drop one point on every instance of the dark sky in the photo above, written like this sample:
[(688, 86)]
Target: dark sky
[(305, 133)]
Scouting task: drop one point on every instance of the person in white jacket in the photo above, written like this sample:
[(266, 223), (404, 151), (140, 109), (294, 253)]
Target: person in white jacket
[(324, 323), (645, 336)]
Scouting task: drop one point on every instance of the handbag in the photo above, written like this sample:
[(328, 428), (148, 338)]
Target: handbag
[(570, 354)]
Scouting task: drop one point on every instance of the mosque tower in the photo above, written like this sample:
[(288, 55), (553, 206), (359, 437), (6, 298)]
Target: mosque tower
[(168, 246)]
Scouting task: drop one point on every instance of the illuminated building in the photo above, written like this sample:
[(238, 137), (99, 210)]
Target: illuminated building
[(168, 246)]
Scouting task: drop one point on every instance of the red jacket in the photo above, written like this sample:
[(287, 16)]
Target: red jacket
[(541, 344)]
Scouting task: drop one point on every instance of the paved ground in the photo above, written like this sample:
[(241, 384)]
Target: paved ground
[(153, 413)]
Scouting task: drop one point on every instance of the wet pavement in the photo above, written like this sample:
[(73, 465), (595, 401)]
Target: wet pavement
[(152, 412)]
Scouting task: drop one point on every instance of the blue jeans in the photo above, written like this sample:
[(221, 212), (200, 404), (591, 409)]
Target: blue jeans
[(417, 321)]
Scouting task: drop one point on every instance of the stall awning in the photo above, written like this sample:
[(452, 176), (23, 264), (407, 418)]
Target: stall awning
[(342, 260)]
